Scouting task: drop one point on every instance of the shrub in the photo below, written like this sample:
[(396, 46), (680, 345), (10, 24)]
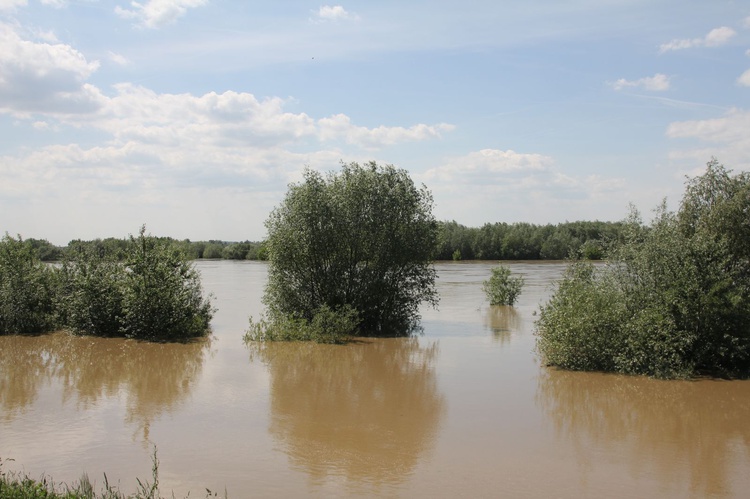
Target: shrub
[(362, 239), (27, 288), (501, 288), (162, 298), (154, 294), (326, 326), (94, 287), (674, 299)]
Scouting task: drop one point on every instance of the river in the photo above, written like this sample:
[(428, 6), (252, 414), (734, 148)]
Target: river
[(465, 409)]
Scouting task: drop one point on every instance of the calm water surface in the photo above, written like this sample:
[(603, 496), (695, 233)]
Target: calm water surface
[(463, 410)]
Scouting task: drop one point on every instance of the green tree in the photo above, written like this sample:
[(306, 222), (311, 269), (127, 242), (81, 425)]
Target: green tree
[(146, 289), (501, 288), (163, 298), (362, 239), (27, 288), (674, 300), (92, 293)]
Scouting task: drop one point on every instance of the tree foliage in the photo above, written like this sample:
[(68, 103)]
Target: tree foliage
[(674, 299), (362, 239), (162, 297), (27, 288), (501, 288), (145, 289), (524, 241)]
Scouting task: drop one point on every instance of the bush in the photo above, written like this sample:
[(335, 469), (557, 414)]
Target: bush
[(362, 240), (501, 288), (27, 288), (674, 299), (326, 326), (162, 298), (154, 294), (92, 295)]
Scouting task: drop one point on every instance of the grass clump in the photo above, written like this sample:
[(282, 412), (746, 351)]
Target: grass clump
[(15, 485), (326, 326), (501, 288)]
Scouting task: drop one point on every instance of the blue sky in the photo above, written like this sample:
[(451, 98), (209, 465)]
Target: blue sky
[(192, 116)]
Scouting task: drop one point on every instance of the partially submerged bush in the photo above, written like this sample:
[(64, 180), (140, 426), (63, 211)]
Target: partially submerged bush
[(91, 301), (674, 299), (27, 288), (326, 326), (154, 294), (359, 240), (501, 288), (162, 298)]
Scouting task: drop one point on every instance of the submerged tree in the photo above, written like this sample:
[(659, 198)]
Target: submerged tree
[(361, 240), (501, 288), (154, 294), (674, 300)]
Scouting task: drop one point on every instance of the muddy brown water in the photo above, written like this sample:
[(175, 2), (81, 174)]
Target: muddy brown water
[(463, 410)]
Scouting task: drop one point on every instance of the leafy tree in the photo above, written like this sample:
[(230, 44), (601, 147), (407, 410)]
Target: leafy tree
[(501, 288), (213, 250), (362, 239), (27, 288), (674, 300), (146, 289), (92, 294), (163, 298)]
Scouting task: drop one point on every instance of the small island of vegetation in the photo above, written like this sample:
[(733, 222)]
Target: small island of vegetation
[(673, 300), (349, 253), (148, 291)]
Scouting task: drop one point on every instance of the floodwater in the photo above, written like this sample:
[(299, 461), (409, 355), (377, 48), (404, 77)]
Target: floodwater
[(463, 410)]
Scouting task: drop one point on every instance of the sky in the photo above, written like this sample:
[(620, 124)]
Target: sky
[(193, 116)]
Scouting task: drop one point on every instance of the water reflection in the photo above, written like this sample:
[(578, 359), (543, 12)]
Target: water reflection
[(502, 320), (154, 377), (366, 412), (687, 434)]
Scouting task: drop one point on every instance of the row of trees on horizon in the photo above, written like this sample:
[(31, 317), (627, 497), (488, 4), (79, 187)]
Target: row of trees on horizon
[(497, 241)]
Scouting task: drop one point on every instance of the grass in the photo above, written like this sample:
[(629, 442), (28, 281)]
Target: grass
[(15, 485)]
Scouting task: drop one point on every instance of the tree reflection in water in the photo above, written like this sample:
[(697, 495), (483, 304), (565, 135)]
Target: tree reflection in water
[(366, 411), (686, 434), (502, 321), (155, 377)]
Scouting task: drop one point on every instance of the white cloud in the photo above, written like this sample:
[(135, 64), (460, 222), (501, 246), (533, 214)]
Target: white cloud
[(491, 185), (714, 38), (158, 13), (746, 22), (11, 4), (488, 164), (657, 83), (340, 127), (43, 77), (118, 59), (744, 79), (727, 138), (57, 4), (733, 126), (334, 13)]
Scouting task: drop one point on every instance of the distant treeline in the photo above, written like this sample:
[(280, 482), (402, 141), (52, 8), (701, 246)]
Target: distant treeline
[(194, 250), (524, 241), (498, 241)]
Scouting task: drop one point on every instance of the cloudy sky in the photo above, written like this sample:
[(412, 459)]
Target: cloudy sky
[(192, 116)]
